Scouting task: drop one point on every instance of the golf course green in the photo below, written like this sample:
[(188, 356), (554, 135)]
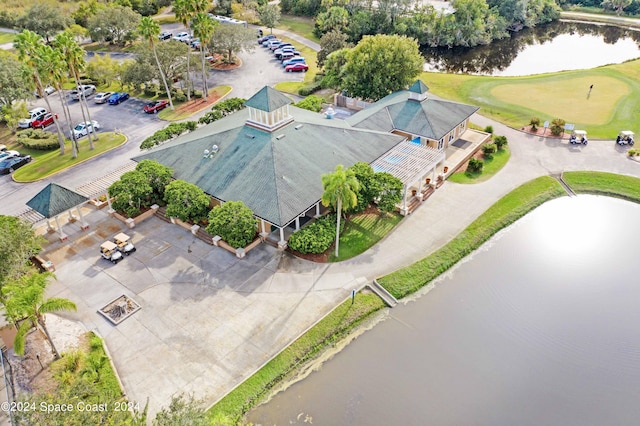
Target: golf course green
[(610, 106)]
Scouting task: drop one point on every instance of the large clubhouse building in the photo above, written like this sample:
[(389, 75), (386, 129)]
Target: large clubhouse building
[(271, 155)]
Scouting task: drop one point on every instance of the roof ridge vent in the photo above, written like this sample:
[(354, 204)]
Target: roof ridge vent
[(299, 126), (250, 136), (280, 136)]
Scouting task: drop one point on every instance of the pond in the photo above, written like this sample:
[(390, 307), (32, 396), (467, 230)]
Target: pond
[(538, 327), (554, 47)]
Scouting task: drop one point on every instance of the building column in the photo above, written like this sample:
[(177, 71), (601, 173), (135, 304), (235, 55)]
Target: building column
[(317, 210), (61, 234), (297, 223), (403, 210), (83, 225), (282, 244), (419, 194)]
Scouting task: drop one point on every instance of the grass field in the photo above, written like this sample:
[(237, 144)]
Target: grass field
[(503, 213), (362, 232), (300, 25), (491, 167), (6, 37), (47, 163), (611, 106)]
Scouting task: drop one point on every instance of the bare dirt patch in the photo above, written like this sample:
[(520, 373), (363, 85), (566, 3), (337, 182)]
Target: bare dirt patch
[(196, 105), (220, 65), (31, 372), (479, 155), (541, 131)]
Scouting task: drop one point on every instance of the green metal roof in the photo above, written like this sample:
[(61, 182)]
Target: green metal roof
[(418, 87), (55, 199), (268, 99), (278, 174), (431, 118)]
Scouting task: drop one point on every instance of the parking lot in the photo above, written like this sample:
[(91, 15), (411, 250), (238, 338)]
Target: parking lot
[(259, 68)]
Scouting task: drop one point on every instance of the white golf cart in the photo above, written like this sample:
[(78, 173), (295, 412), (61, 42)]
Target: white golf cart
[(125, 246), (625, 138), (578, 137), (109, 251)]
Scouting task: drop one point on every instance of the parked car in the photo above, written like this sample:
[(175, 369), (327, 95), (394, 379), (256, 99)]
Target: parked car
[(269, 42), (154, 107), (102, 97), (34, 115), (296, 60), (82, 129), (44, 121), (288, 55), (275, 47), (118, 97), (194, 41), (265, 38), (48, 90), (10, 164), (181, 36), (259, 32), (165, 35), (83, 90), (297, 67), (8, 154)]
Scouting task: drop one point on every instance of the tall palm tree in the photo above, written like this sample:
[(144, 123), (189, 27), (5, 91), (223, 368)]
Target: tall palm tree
[(29, 47), (203, 28), (184, 13), (150, 29), (26, 304), (340, 190), (55, 67), (74, 57)]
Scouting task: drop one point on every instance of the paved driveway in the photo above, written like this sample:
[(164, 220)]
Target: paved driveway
[(208, 319)]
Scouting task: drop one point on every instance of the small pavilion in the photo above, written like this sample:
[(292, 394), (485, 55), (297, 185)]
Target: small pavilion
[(55, 200)]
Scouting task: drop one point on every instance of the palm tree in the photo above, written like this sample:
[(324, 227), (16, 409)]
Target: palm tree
[(29, 47), (27, 305), (55, 67), (184, 13), (74, 57), (150, 29), (340, 189), (203, 28)]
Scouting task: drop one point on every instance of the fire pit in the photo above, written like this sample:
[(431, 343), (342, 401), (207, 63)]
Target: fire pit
[(119, 309)]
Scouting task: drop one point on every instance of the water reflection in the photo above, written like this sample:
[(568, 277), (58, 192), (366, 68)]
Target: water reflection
[(555, 47)]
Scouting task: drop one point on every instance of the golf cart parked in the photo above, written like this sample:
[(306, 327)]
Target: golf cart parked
[(124, 245), (625, 138), (109, 251), (578, 137)]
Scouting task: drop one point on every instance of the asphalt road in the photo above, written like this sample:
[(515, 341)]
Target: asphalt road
[(259, 68)]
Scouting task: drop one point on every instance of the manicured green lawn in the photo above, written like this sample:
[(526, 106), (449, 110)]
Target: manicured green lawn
[(297, 24), (362, 232), (602, 183), (504, 212), (181, 114), (6, 37), (311, 58), (327, 332), (47, 163), (491, 167), (612, 105)]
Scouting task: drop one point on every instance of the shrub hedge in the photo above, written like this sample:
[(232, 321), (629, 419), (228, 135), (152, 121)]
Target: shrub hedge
[(38, 139), (169, 132), (316, 237)]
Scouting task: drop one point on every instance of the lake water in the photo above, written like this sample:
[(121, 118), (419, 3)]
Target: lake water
[(559, 46), (538, 327)]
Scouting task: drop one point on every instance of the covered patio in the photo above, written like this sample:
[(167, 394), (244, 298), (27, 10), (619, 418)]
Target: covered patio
[(417, 166)]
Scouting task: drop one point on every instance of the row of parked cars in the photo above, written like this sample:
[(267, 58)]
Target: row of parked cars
[(11, 160), (182, 36), (284, 52)]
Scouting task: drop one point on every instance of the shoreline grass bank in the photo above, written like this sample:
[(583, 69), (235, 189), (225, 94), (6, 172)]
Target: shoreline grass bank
[(503, 213), (326, 333), (603, 183)]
